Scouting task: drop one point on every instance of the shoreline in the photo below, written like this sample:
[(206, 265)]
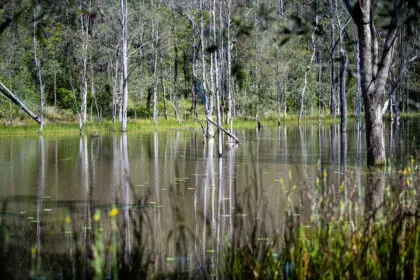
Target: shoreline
[(28, 127)]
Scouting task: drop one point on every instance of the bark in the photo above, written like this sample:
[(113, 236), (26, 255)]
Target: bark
[(209, 110), (281, 7), (155, 86), (13, 98), (92, 90), (194, 70), (332, 48), (278, 87), (302, 95), (359, 88), (124, 66), (10, 113), (114, 82), (343, 95), (163, 85), (55, 85), (84, 25), (229, 116), (39, 74), (320, 97), (374, 74), (343, 72), (230, 134)]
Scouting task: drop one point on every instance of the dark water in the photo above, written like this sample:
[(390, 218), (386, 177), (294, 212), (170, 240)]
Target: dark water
[(172, 191)]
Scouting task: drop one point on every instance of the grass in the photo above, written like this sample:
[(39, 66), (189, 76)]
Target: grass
[(65, 123)]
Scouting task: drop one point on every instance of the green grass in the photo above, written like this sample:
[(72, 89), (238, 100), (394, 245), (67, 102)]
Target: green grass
[(68, 125)]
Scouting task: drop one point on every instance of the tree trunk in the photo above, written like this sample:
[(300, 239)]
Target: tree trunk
[(163, 85), (92, 89), (302, 95), (358, 89), (39, 74), (10, 113), (84, 25), (320, 97), (155, 85), (373, 77), (124, 38), (332, 48), (13, 98), (278, 87), (343, 73), (209, 110), (229, 65)]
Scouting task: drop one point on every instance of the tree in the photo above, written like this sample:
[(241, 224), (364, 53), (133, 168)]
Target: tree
[(124, 66), (38, 69), (374, 69)]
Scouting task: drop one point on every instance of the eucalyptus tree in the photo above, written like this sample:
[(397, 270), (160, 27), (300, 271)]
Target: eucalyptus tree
[(124, 60), (375, 67), (343, 69), (37, 8), (84, 8)]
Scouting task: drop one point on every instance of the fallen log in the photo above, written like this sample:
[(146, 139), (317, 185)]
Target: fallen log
[(6, 92), (225, 131)]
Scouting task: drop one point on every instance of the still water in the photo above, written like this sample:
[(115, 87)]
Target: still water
[(175, 197)]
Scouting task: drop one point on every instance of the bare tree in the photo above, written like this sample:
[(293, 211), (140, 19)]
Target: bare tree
[(38, 70), (84, 27), (124, 35)]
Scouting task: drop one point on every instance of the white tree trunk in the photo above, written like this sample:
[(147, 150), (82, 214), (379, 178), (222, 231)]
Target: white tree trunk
[(124, 102), (39, 74)]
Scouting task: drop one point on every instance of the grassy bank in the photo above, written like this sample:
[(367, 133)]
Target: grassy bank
[(28, 127)]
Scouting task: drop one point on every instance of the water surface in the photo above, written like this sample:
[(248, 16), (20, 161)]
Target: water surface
[(186, 198)]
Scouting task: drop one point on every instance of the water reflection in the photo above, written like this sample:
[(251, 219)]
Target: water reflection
[(180, 202)]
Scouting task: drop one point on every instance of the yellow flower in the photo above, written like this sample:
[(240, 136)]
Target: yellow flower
[(404, 172), (281, 181), (33, 250), (409, 169), (325, 173), (97, 216), (67, 220), (412, 160), (114, 212)]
